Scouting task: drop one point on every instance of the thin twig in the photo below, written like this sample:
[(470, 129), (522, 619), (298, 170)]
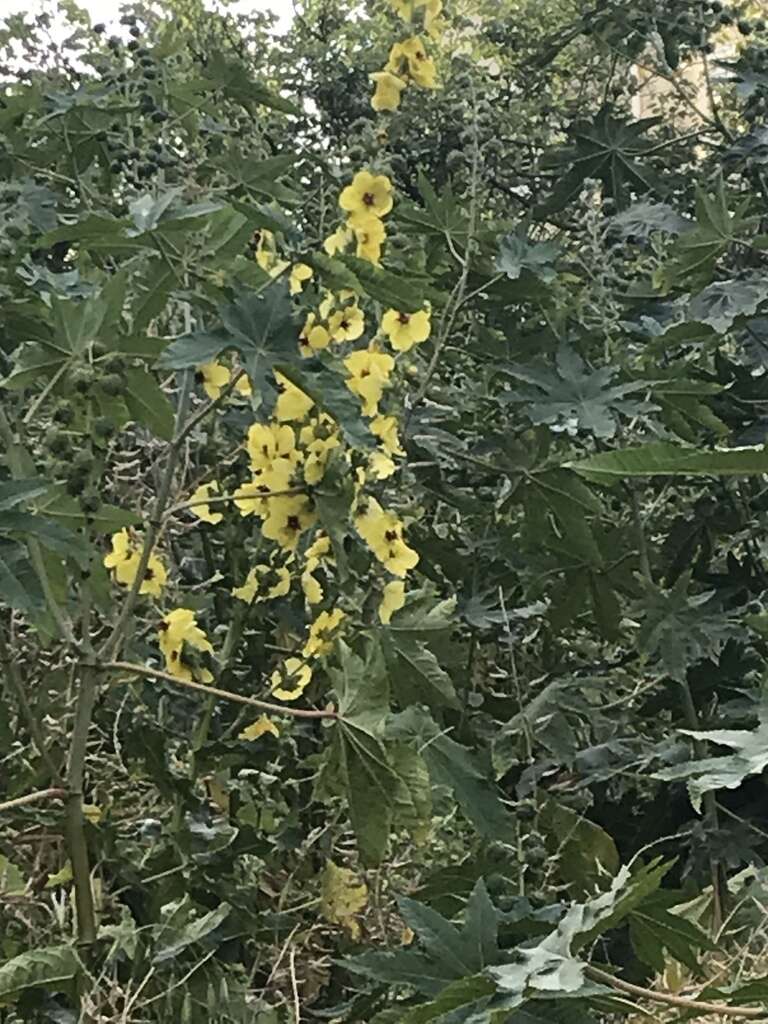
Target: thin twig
[(33, 798), (666, 998), (235, 698), (295, 988)]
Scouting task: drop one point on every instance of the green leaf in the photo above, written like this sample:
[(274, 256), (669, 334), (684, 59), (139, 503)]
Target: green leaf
[(416, 673), (391, 290), (661, 458), (50, 534), (587, 854), (749, 757), (147, 403), (19, 585), (232, 78), (52, 968), (462, 1000), (656, 934), (192, 932), (413, 798), (719, 304), (258, 325), (481, 925), (16, 492), (404, 967), (517, 253)]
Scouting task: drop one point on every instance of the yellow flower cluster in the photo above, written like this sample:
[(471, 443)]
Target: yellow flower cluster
[(199, 505), (264, 583), (346, 323), (404, 330), (124, 559), (369, 372), (366, 202), (180, 638), (317, 556), (383, 533), (408, 63)]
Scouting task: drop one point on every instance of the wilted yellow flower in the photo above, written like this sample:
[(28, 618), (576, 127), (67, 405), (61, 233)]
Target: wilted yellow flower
[(409, 60), (318, 553), (346, 324), (338, 241), (385, 428), (287, 518), (368, 376), (267, 442), (292, 404), (300, 273), (259, 728), (392, 600), (368, 194), (291, 679), (314, 337), (264, 583), (124, 559), (370, 235), (383, 533), (203, 511), (386, 95), (180, 636), (322, 633), (405, 330)]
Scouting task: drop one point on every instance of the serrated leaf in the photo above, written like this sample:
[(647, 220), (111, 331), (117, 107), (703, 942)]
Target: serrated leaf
[(661, 458), (147, 404), (517, 253), (720, 303)]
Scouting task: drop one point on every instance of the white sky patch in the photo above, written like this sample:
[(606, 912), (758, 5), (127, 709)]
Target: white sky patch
[(108, 11)]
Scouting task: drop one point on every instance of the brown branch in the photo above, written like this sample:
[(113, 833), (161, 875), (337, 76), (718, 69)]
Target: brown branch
[(33, 798), (744, 1012), (213, 691)]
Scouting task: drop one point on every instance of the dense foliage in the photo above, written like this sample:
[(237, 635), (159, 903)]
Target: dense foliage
[(382, 512)]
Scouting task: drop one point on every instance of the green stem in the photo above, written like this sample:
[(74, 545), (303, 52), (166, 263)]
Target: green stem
[(77, 846)]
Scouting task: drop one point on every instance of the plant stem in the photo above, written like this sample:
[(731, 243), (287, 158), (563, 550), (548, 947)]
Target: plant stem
[(74, 822), (33, 798), (214, 691), (13, 679), (745, 1012)]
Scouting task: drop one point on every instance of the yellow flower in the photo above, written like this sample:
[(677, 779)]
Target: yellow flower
[(314, 337), (287, 519), (368, 194), (381, 465), (267, 442), (392, 600), (264, 583), (409, 60), (368, 376), (124, 559), (346, 324), (203, 511), (243, 386), (318, 452), (300, 273), (318, 553), (215, 378), (404, 8), (370, 235), (338, 241), (432, 9), (386, 96), (259, 728), (322, 633), (405, 330), (292, 404), (385, 428), (254, 496), (383, 533), (179, 637), (291, 679)]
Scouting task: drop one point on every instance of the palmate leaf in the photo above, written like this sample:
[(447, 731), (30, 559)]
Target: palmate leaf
[(681, 630), (606, 148), (656, 933), (52, 968), (749, 757), (258, 325), (569, 398), (721, 303)]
